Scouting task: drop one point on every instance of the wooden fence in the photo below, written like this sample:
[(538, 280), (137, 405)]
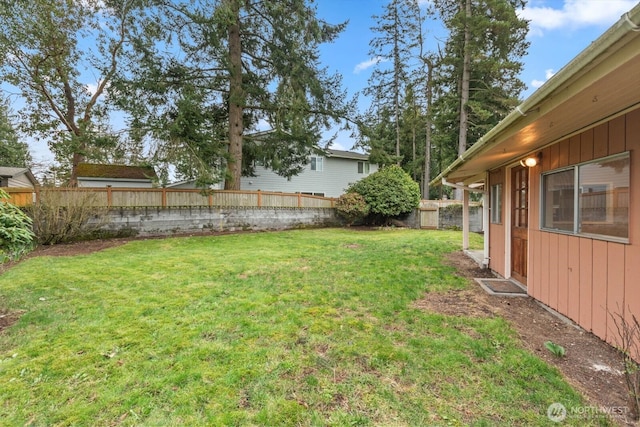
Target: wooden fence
[(167, 197)]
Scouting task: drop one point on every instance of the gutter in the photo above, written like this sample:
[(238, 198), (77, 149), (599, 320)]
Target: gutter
[(629, 22), (462, 187)]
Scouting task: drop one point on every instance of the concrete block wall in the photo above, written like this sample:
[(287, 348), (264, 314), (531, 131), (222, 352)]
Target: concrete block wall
[(451, 217), (184, 220)]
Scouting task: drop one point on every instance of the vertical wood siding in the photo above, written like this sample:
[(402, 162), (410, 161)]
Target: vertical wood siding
[(497, 231), (588, 280)]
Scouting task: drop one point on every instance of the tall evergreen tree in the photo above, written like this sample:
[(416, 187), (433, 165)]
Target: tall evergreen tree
[(477, 82), (249, 61), (13, 153), (393, 47)]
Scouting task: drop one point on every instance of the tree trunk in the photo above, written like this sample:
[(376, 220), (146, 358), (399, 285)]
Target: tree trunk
[(427, 145), (464, 92), (236, 102), (396, 78), (75, 161)]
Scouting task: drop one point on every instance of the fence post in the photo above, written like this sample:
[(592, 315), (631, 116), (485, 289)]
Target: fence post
[(211, 198), (259, 199), (164, 197), (109, 196), (299, 200)]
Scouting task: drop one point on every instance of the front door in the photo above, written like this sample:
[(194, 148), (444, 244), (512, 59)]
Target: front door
[(519, 222)]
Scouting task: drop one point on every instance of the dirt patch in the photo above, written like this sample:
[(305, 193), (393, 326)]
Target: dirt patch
[(591, 366)]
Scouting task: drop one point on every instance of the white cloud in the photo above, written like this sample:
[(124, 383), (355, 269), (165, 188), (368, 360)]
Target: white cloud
[(574, 14), (547, 75), (368, 64), (91, 88)]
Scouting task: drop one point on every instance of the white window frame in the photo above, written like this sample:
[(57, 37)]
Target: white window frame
[(316, 163), (577, 222)]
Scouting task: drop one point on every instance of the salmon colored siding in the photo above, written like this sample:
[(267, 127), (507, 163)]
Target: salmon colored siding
[(563, 274), (497, 244), (563, 153), (586, 146), (600, 134), (574, 279), (632, 252), (599, 302), (588, 280), (615, 288), (617, 135)]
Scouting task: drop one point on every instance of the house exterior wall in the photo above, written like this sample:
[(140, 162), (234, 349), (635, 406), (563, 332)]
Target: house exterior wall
[(497, 230), (336, 175), (20, 181), (119, 183), (587, 279)]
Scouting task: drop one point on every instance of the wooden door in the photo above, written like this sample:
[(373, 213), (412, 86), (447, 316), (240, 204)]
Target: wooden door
[(519, 222)]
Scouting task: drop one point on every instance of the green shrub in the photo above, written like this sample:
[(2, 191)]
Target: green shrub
[(389, 192), (352, 207), (16, 237)]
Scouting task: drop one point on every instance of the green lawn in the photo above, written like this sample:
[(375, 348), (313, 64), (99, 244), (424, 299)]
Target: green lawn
[(305, 327)]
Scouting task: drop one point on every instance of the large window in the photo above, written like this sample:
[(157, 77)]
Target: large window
[(316, 164), (590, 198)]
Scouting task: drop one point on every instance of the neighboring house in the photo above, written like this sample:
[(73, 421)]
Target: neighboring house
[(326, 175), (567, 225), (191, 185), (96, 175), (17, 178)]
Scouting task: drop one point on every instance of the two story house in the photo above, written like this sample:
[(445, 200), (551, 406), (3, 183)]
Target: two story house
[(326, 175)]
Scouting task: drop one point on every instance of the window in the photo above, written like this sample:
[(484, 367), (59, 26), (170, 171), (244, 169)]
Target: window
[(496, 204), (590, 198), (316, 164), (604, 197), (558, 200), (363, 167)]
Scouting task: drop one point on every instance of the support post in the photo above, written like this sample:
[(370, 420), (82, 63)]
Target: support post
[(465, 220), (485, 224)]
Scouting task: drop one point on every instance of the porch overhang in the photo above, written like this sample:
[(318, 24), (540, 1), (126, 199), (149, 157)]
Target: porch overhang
[(599, 84)]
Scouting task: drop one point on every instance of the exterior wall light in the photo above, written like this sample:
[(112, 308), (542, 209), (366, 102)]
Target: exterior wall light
[(531, 161)]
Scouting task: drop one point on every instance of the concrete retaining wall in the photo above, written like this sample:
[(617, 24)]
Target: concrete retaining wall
[(184, 220), (451, 217)]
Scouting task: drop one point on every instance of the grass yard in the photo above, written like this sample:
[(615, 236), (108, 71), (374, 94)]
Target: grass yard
[(298, 328)]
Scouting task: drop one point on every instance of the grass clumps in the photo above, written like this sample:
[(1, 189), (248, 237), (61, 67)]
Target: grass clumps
[(297, 328)]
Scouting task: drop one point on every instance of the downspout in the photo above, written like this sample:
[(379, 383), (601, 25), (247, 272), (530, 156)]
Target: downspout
[(485, 225)]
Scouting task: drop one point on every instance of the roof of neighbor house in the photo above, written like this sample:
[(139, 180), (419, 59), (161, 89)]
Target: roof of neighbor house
[(596, 86), (347, 155), (9, 172), (90, 170)]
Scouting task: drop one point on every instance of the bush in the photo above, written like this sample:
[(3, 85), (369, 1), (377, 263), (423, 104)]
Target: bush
[(66, 216), (389, 192), (16, 237), (352, 207)]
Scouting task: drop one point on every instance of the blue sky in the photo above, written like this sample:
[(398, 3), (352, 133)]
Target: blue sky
[(559, 30)]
